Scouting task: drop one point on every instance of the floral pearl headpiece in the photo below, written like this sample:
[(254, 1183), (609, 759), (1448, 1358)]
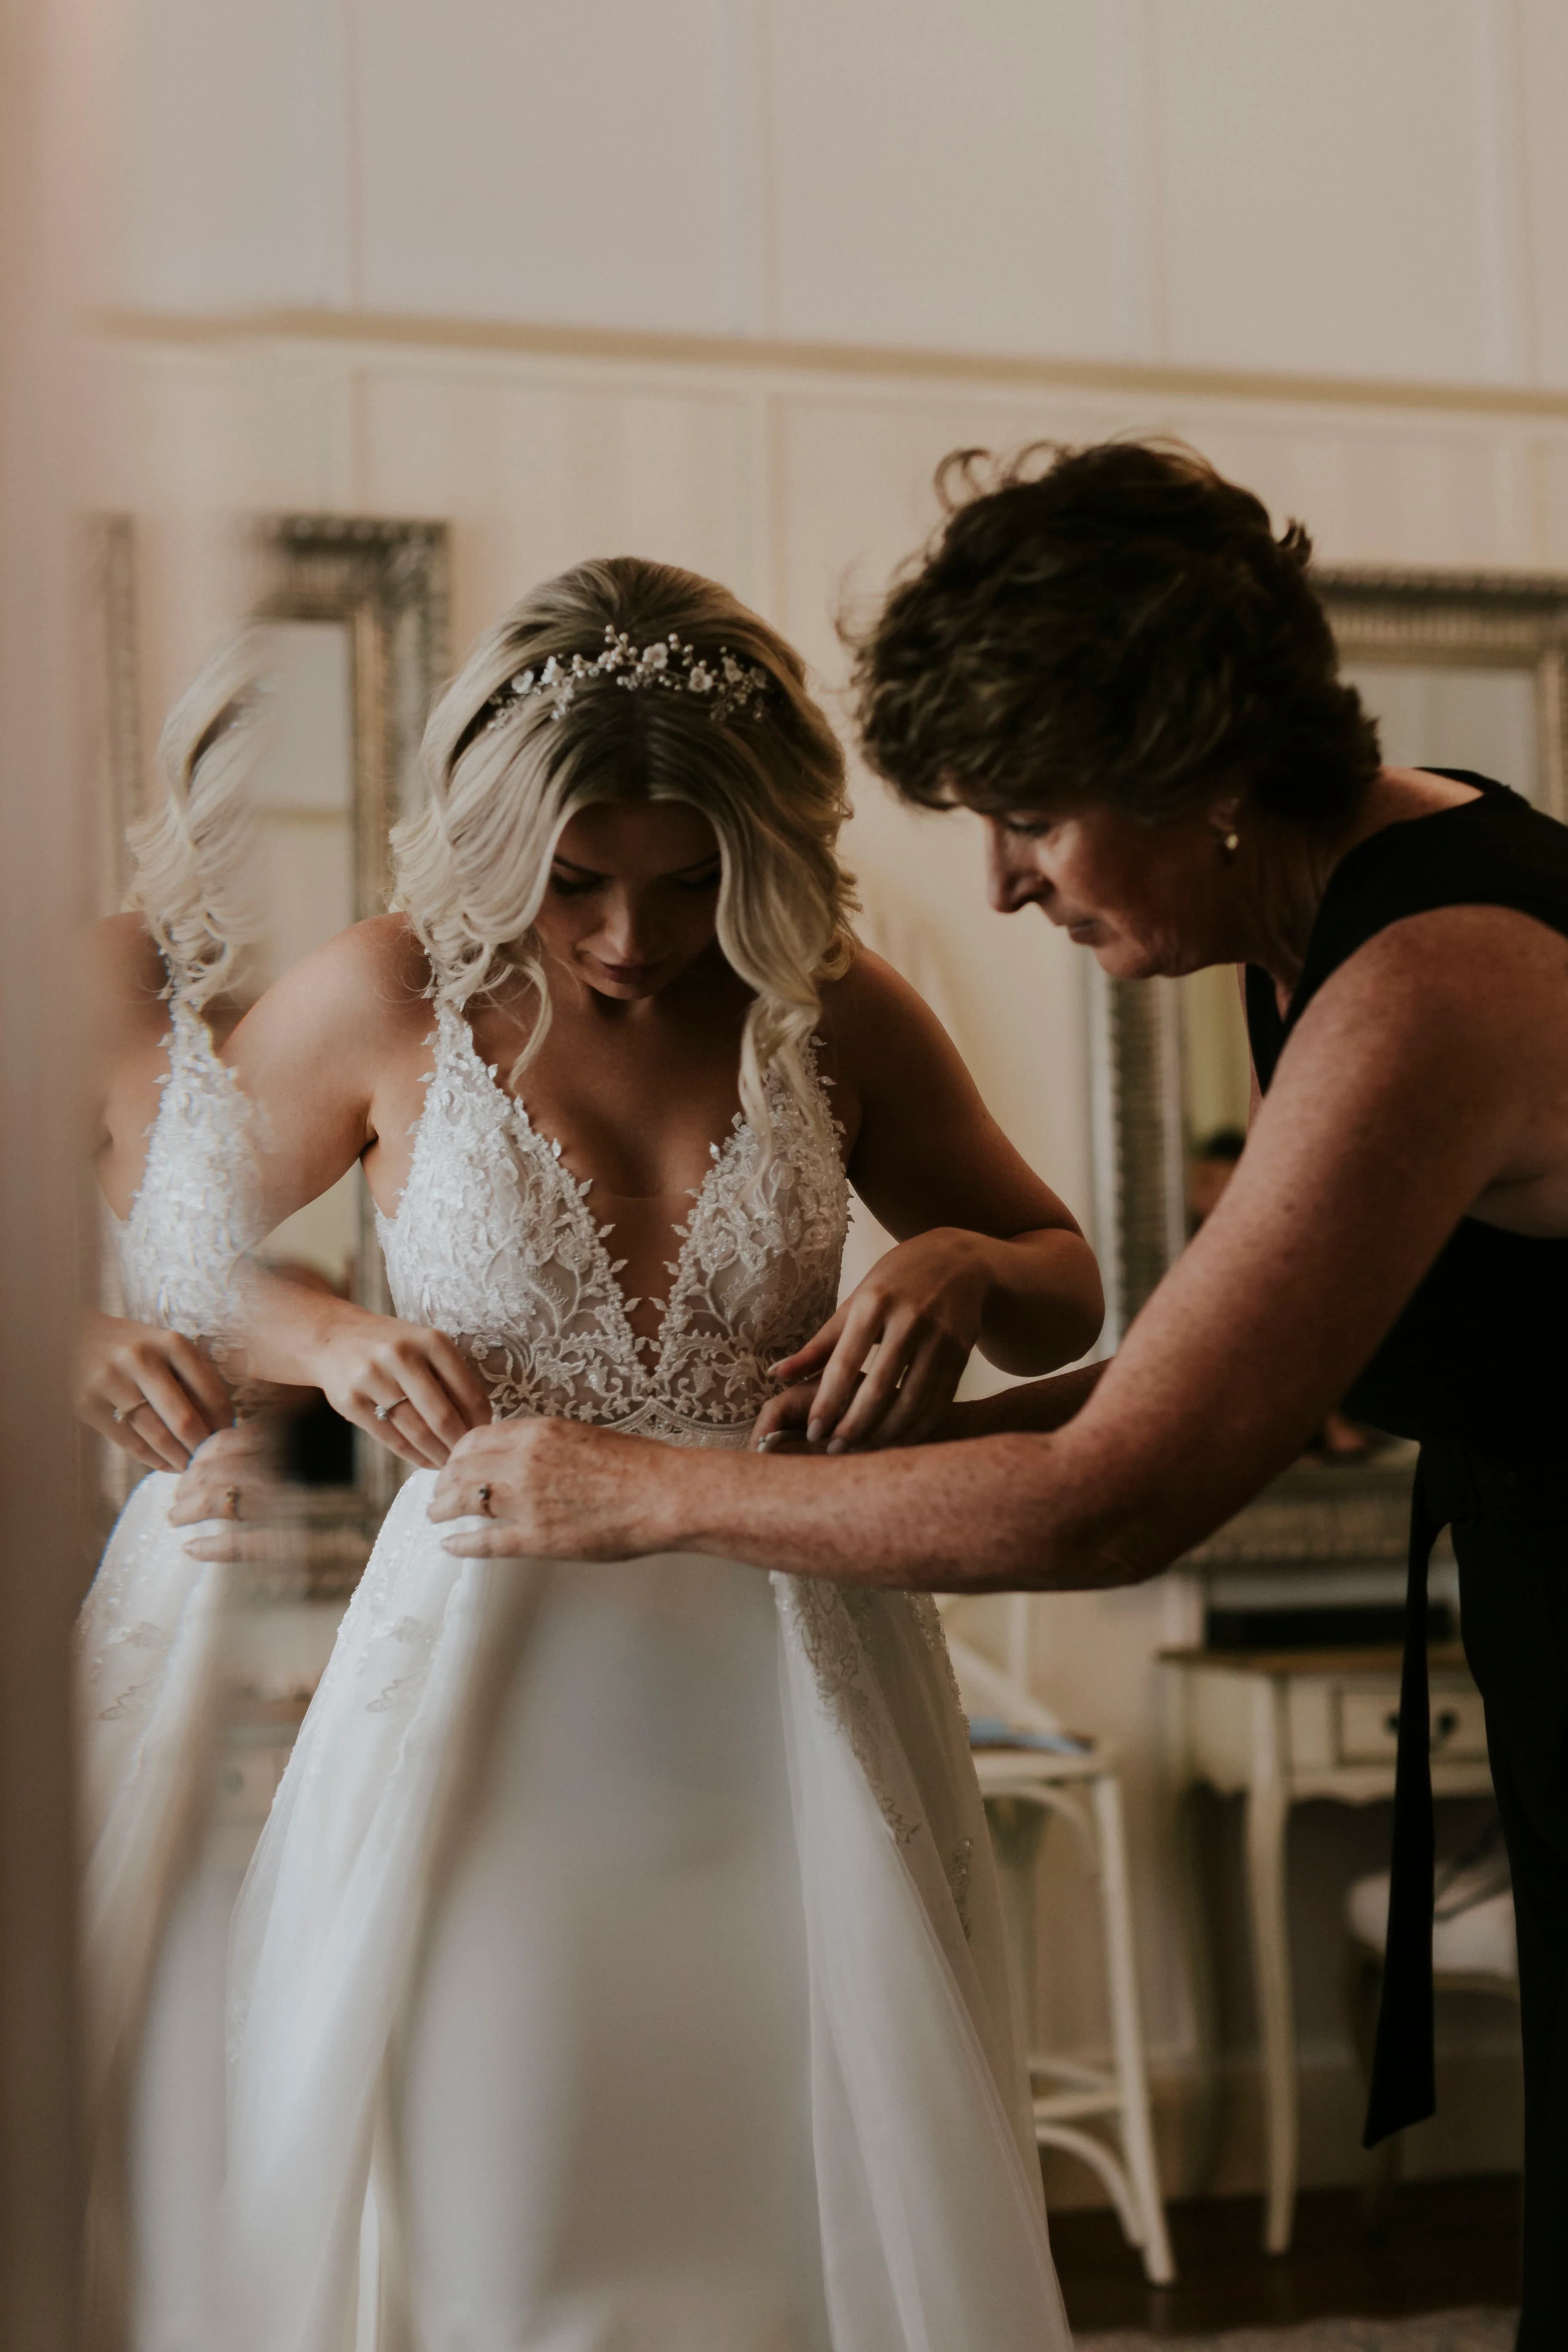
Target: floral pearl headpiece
[(730, 686)]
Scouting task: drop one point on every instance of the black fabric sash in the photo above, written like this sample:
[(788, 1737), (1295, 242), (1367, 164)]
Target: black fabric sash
[(1403, 2067)]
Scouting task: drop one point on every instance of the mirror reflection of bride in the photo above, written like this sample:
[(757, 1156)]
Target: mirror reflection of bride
[(173, 1160), (641, 1919)]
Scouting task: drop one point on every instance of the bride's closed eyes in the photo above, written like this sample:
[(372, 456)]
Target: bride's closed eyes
[(575, 882)]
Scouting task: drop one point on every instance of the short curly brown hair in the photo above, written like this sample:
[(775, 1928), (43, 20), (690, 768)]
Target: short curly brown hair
[(1115, 625)]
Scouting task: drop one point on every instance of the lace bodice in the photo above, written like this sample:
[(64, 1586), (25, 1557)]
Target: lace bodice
[(193, 1213), (495, 1243)]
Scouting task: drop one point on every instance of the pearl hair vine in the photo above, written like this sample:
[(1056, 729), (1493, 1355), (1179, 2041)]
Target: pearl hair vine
[(731, 687)]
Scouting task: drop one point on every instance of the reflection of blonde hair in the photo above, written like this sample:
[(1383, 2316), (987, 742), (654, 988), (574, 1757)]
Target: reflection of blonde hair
[(192, 872), (474, 865)]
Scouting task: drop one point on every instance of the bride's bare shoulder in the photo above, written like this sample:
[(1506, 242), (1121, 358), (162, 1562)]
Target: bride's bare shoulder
[(871, 1007), (880, 1037)]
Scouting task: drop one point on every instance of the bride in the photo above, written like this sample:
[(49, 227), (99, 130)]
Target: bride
[(640, 1918)]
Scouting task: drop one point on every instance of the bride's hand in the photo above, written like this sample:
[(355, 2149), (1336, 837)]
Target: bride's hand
[(921, 1309), (403, 1384), (782, 1425), (233, 1478), (149, 1392)]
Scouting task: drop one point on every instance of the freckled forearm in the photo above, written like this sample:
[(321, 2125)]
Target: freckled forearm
[(988, 1516)]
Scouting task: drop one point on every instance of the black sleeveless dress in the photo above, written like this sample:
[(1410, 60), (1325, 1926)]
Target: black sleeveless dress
[(1476, 1368)]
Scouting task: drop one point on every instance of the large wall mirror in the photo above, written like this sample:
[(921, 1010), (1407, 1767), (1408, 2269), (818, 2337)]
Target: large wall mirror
[(350, 614), (1460, 672)]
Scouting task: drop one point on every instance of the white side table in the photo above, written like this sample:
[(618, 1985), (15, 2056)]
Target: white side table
[(1277, 1728)]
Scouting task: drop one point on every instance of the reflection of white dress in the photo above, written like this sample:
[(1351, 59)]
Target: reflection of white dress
[(156, 1906), (642, 1914)]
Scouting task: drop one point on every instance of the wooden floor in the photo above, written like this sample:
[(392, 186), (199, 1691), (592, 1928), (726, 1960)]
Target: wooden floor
[(1446, 2244)]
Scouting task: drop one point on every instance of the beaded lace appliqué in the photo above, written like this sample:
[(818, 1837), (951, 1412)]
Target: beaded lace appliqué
[(194, 1215), (495, 1243)]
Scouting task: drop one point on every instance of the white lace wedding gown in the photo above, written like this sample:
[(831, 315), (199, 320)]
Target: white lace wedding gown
[(157, 1892), (642, 1915)]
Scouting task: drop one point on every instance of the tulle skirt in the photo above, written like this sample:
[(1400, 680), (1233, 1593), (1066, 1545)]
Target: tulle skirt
[(635, 1926)]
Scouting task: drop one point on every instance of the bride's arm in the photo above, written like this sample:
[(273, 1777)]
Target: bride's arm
[(988, 1256), (318, 1055)]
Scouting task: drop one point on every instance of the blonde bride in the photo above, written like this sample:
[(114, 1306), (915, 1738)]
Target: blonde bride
[(638, 1921)]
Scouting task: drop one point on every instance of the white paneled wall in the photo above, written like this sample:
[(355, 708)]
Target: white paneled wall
[(1361, 188)]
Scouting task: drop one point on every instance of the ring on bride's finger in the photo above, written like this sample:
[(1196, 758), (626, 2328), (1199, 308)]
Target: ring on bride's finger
[(231, 1502), (124, 1411), (485, 1501), (386, 1411)]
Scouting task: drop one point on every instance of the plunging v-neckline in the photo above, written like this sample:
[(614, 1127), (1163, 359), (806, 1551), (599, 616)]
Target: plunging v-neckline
[(547, 1149)]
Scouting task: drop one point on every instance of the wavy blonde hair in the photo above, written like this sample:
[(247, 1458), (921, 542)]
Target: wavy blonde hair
[(473, 866), (192, 875)]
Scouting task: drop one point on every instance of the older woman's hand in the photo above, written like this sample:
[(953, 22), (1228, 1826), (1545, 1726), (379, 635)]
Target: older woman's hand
[(232, 1479), (550, 1489), (149, 1392)]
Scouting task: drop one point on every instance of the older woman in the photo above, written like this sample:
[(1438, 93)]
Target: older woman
[(1113, 660)]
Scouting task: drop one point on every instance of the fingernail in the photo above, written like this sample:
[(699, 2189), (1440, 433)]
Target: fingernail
[(814, 1430)]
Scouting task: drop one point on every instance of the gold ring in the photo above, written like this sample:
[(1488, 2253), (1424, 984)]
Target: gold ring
[(231, 1496)]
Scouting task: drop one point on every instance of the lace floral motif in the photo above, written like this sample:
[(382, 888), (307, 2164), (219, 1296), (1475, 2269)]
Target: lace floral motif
[(828, 1623), (927, 1618), (495, 1243), (195, 1213), (960, 1863)]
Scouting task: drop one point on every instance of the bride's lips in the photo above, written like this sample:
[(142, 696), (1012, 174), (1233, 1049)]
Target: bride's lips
[(626, 975)]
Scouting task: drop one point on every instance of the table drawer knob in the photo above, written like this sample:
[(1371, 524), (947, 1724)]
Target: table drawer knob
[(1369, 1727)]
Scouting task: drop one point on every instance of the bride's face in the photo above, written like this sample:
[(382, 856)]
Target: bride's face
[(633, 895)]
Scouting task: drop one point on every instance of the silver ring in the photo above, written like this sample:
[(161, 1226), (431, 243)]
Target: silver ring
[(386, 1411), (485, 1499)]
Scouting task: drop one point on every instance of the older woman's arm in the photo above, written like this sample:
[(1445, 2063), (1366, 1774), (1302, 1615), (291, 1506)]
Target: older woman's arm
[(1410, 1089)]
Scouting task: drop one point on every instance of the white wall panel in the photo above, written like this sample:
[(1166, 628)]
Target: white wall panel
[(954, 177), (1324, 204), (228, 182), (1543, 150), (535, 476), (534, 161)]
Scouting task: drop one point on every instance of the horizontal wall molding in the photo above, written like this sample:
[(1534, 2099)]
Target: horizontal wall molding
[(762, 355)]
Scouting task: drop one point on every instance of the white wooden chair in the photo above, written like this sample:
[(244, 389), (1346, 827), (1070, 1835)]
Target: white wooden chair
[(1079, 1783)]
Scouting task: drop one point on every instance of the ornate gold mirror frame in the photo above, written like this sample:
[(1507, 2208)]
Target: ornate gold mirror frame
[(385, 582)]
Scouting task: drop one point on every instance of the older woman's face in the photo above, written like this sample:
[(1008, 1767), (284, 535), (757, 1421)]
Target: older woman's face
[(1146, 899)]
